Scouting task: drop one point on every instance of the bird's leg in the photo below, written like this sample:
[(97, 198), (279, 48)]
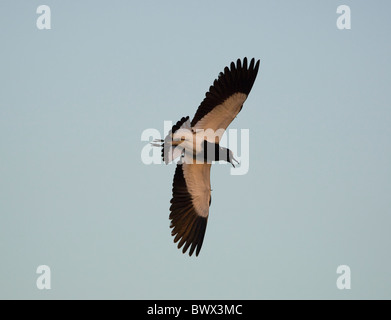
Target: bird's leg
[(235, 161)]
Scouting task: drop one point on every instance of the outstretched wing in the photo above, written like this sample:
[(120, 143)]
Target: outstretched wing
[(225, 98), (191, 197)]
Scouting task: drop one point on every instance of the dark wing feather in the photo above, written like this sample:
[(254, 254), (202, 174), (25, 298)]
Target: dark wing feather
[(188, 227), (238, 78)]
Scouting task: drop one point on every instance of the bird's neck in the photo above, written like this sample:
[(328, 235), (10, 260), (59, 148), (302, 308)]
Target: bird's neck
[(211, 152)]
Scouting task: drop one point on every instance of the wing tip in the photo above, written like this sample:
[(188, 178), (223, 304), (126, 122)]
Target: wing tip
[(190, 237), (240, 77)]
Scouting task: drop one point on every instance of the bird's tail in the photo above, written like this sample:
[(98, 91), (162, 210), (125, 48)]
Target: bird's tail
[(155, 143), (171, 144)]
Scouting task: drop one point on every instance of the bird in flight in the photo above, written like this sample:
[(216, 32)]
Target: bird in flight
[(197, 143)]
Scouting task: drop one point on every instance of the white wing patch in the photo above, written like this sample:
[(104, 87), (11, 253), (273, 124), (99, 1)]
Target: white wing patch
[(217, 120), (197, 178)]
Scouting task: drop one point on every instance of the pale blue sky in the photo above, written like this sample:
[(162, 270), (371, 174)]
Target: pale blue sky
[(75, 195)]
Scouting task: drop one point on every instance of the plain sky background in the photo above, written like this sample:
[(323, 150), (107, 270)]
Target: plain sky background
[(75, 195)]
